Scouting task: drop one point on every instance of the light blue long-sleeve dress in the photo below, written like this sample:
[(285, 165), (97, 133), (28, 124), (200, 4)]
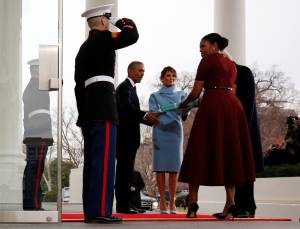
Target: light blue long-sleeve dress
[(167, 137)]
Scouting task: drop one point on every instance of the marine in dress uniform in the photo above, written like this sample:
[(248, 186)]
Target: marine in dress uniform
[(96, 104), (37, 138)]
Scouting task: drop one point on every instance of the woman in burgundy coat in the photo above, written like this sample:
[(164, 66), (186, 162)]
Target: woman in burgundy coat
[(219, 150)]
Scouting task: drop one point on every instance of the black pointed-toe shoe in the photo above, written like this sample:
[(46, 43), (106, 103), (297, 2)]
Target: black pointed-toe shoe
[(231, 213), (192, 211)]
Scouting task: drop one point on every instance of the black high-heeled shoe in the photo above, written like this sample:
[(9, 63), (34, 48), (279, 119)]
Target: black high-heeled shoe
[(192, 211), (231, 210)]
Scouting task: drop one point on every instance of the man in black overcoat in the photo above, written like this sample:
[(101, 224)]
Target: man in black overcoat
[(244, 194), (130, 116)]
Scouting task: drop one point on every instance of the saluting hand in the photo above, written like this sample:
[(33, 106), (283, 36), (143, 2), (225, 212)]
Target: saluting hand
[(121, 23)]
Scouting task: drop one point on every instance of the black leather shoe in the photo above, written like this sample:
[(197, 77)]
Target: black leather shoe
[(139, 210), (245, 214), (103, 219), (127, 211)]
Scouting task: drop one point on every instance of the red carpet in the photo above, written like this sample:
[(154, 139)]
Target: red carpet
[(78, 217)]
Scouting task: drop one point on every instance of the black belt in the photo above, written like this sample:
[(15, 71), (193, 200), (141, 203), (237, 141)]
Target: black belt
[(219, 87)]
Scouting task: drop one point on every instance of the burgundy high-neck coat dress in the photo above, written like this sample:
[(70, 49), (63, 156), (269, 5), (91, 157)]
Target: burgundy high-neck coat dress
[(219, 149)]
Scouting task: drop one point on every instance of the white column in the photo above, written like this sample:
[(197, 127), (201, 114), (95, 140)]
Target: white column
[(93, 3), (229, 21), (11, 157)]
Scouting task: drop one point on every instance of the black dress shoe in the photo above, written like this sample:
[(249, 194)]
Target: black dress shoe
[(139, 210), (192, 211), (103, 219), (245, 214), (127, 211)]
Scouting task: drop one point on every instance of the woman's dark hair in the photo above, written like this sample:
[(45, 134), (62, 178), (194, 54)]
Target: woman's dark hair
[(216, 38), (167, 69)]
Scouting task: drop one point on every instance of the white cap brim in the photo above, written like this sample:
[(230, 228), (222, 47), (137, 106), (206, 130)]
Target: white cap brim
[(34, 62), (97, 11)]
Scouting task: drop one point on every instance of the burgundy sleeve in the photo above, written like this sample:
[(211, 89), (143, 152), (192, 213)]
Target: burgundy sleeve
[(203, 69)]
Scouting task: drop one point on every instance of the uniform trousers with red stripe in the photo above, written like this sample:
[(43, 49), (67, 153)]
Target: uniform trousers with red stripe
[(33, 172), (99, 168)]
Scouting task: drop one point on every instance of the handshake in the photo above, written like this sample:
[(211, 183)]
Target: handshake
[(179, 107), (153, 116)]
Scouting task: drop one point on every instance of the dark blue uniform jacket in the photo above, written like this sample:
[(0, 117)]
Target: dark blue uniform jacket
[(97, 57)]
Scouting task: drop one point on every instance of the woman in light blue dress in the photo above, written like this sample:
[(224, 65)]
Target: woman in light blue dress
[(167, 137)]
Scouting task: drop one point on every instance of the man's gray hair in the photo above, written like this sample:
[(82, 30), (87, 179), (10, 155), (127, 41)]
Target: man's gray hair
[(133, 64)]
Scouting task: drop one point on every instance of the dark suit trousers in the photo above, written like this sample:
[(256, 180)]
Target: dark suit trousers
[(125, 166), (99, 168), (244, 198), (33, 172)]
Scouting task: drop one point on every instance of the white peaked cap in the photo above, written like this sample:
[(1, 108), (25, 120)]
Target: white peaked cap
[(97, 11), (34, 62)]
